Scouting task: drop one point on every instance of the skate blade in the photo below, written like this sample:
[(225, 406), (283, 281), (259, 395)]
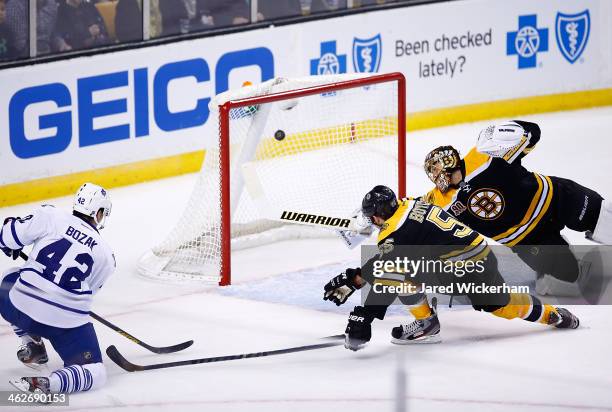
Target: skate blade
[(39, 367), (429, 339), (23, 387), (18, 384)]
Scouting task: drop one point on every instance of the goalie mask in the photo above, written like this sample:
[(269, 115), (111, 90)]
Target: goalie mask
[(440, 164), (89, 199)]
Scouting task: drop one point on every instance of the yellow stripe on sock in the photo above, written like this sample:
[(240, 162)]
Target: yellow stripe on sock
[(518, 307), (421, 310)]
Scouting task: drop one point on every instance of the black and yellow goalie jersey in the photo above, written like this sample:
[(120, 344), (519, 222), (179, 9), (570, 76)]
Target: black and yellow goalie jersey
[(498, 196)]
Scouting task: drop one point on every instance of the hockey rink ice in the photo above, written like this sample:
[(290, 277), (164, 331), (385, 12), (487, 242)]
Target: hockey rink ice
[(483, 363)]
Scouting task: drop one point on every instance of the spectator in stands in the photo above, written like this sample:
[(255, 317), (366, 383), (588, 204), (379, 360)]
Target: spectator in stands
[(80, 25), (319, 6), (16, 27), (371, 2), (6, 39), (230, 12), (185, 16), (155, 19), (276, 9), (47, 39), (128, 20)]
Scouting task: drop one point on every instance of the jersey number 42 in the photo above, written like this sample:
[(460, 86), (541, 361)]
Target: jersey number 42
[(50, 257)]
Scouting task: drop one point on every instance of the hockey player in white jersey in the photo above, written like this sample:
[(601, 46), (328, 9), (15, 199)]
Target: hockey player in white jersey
[(50, 296)]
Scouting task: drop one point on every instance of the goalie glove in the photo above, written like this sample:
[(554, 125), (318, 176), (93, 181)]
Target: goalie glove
[(341, 287), (359, 329), (505, 140)]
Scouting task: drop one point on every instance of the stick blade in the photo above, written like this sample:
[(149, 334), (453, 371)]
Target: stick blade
[(170, 349), (123, 363), (334, 337)]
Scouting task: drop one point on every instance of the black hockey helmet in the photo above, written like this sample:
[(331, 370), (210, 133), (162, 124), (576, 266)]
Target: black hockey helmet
[(380, 201)]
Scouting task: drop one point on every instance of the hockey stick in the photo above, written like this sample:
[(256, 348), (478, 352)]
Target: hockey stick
[(116, 357), (154, 349)]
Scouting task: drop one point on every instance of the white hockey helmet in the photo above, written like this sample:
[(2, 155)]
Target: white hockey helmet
[(89, 199)]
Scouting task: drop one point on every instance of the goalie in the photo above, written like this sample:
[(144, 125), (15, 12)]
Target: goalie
[(415, 223), (490, 191)]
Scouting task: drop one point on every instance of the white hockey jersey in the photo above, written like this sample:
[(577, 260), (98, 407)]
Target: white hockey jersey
[(68, 264)]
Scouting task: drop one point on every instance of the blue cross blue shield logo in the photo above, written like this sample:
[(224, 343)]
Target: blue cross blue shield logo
[(330, 61), (527, 41), (367, 54), (572, 34)]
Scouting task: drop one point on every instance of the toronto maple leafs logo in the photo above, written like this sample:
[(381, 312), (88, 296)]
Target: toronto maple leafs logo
[(367, 54), (573, 34)]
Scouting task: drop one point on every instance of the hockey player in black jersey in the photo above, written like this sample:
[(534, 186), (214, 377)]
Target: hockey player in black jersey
[(412, 228), (491, 192)]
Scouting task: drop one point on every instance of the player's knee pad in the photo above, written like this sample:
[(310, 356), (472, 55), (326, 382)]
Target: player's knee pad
[(603, 227)]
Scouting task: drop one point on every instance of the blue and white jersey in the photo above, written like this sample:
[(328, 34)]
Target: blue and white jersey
[(68, 264)]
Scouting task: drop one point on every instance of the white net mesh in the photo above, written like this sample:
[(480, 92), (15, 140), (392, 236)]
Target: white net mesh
[(317, 154)]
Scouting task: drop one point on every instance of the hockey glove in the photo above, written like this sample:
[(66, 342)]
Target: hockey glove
[(341, 287), (506, 140), (11, 253), (359, 329)]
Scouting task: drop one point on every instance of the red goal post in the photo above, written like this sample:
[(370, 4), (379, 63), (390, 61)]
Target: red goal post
[(224, 130)]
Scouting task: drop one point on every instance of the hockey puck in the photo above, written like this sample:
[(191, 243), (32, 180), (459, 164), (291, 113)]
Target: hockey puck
[(279, 135)]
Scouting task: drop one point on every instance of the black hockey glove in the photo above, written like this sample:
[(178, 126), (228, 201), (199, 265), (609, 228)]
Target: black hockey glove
[(341, 287), (359, 329), (11, 253)]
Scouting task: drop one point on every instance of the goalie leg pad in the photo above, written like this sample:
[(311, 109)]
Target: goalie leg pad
[(603, 228)]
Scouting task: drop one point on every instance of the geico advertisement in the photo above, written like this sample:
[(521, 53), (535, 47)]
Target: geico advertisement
[(93, 112), (118, 108)]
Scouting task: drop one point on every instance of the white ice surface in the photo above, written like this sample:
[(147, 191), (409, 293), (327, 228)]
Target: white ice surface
[(484, 362)]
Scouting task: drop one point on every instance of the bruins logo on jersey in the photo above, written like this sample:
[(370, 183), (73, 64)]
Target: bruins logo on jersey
[(487, 204)]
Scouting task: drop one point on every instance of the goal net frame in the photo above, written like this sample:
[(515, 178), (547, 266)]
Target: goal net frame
[(224, 145)]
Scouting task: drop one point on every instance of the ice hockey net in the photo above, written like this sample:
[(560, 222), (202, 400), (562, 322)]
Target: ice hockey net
[(314, 145)]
